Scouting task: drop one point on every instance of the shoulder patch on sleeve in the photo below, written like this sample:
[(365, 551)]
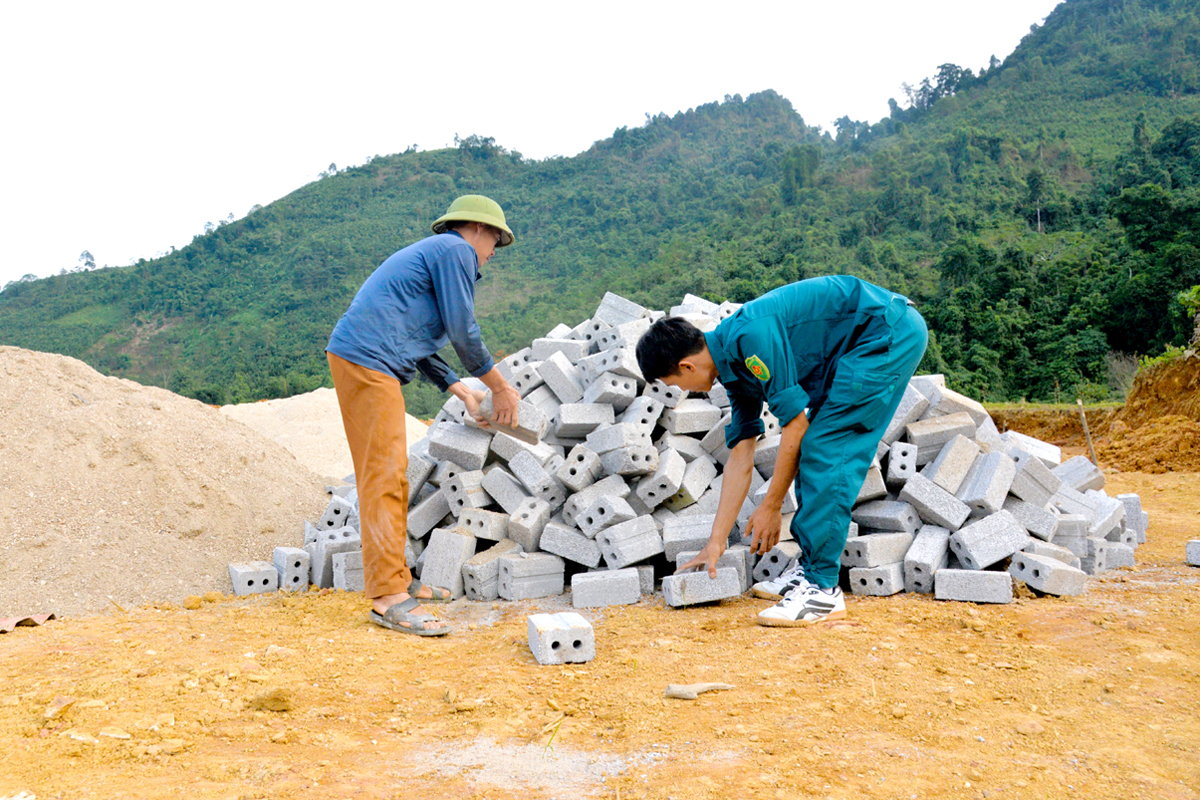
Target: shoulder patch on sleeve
[(758, 368)]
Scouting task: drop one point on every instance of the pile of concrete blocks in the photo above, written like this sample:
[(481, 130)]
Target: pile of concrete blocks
[(610, 483)]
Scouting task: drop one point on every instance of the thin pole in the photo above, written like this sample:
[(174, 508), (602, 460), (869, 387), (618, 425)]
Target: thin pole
[(1086, 432)]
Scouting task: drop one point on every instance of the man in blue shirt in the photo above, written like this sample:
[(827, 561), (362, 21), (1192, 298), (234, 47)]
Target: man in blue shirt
[(417, 301), (839, 347)]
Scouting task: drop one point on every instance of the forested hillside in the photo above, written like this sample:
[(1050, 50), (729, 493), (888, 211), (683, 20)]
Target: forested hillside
[(1044, 213)]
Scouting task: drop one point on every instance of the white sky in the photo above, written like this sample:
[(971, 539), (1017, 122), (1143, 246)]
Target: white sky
[(129, 125)]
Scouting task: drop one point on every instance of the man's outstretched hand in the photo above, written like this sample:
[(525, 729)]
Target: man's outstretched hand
[(707, 558)]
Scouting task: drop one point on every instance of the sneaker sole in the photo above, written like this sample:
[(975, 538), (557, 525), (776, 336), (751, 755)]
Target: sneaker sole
[(772, 622), (765, 595)]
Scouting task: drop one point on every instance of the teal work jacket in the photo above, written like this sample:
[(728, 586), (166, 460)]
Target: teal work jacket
[(783, 349)]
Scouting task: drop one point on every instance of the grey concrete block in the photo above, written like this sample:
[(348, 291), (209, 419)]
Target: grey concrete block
[(348, 571), (666, 480), (630, 461), (602, 512), (1047, 575), (616, 437), (537, 480), (562, 376), (625, 335), (1108, 513), (527, 378), (929, 553), (669, 396), (696, 479), (580, 470), (936, 431), (912, 406), (686, 533), (1119, 554), (337, 514), (253, 577), (467, 447), (419, 470), (511, 365), (789, 499), (902, 464), (570, 544), (972, 586), (987, 483), (1136, 519), (873, 487), (714, 440), (564, 638), (945, 401), (643, 412), (465, 491), (980, 544), (927, 385), (988, 434), (612, 484), (1095, 560), (884, 580), (532, 421), (1033, 481), (570, 349), (577, 420), (766, 450), (481, 572), (504, 488), (444, 471), (619, 363), (1037, 521), (777, 559), (629, 542), (691, 588), (527, 576), (1039, 548), (505, 447), (1122, 536), (490, 526), (294, 566), (718, 395), (887, 515), (933, 504), (327, 545), (734, 556), (1048, 454), (690, 416), (953, 463), (589, 331), (692, 304), (1080, 474), (619, 587), (770, 422), (1191, 552), (544, 399), (877, 549), (616, 310), (444, 558), (527, 522)]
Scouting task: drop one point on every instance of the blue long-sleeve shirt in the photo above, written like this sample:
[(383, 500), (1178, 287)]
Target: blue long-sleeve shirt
[(412, 305)]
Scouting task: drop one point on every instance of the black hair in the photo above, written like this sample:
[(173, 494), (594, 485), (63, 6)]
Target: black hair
[(669, 341)]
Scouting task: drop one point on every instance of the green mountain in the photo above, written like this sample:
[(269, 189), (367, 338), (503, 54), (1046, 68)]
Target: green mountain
[(1043, 213)]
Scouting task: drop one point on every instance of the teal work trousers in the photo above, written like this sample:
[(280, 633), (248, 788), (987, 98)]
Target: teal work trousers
[(840, 443)]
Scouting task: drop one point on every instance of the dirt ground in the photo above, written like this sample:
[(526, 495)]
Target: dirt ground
[(299, 697)]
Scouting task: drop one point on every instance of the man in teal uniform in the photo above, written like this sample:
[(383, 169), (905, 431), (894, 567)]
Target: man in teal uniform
[(839, 347)]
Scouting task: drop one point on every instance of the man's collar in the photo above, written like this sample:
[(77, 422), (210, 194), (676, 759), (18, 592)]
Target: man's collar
[(720, 359)]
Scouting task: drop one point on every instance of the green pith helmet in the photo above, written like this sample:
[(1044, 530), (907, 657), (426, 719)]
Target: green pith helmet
[(476, 208)]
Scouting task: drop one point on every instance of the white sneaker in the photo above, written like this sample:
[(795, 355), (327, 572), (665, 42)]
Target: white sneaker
[(792, 578), (804, 606)]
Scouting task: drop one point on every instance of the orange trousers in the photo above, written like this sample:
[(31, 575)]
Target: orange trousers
[(373, 414)]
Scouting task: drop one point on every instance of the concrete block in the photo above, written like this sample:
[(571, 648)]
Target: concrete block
[(348, 571), (564, 638), (945, 401), (589, 331), (972, 586), (570, 349), (929, 553), (693, 304), (887, 515), (877, 549), (669, 396), (912, 406), (619, 587), (718, 395), (490, 526), (465, 491), (953, 463), (666, 480), (1191, 552), (690, 416), (481, 572), (692, 588), (980, 544), (508, 492), (505, 447), (873, 487), (884, 580), (727, 309), (527, 522), (696, 478), (734, 556), (714, 440), (294, 566), (988, 434), (577, 420), (766, 450), (1047, 575), (1048, 454), (528, 378), (616, 310), (1072, 533), (1037, 521), (444, 471), (777, 559), (511, 365), (630, 461), (1122, 536), (562, 376), (619, 363), (612, 484), (616, 437), (532, 421), (1033, 481), (936, 431), (902, 464), (544, 399), (581, 469), (337, 514), (467, 447), (1039, 548), (1095, 560), (629, 542), (686, 533), (933, 504), (1136, 519), (770, 422), (928, 384), (570, 544), (253, 577), (1108, 513), (604, 511), (1119, 555), (987, 483), (527, 576), (537, 481), (560, 331), (789, 500), (625, 335), (419, 470), (1080, 474), (643, 412), (444, 558), (327, 545)]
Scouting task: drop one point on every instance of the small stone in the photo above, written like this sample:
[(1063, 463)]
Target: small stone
[(113, 733), (58, 706), (899, 712), (277, 700), (1030, 727), (80, 736), (192, 602), (280, 652), (172, 746)]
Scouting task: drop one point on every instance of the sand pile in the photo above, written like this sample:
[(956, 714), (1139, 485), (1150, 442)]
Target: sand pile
[(309, 425), (110, 489)]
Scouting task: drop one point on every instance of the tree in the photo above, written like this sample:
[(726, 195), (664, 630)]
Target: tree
[(86, 260)]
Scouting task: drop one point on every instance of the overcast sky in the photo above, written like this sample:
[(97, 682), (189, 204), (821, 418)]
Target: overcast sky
[(127, 126)]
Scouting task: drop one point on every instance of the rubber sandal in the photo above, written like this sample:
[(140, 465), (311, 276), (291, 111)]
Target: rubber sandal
[(400, 613), (439, 595)]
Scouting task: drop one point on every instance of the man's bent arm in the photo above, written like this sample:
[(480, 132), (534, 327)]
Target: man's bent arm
[(735, 485), (766, 521)]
